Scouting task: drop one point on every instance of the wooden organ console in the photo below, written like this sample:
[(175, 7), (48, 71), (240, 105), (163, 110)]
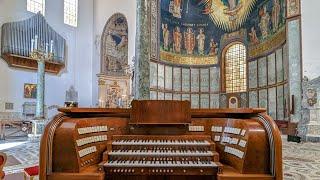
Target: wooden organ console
[(161, 140)]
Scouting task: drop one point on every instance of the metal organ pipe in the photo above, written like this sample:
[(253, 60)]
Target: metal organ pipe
[(17, 36)]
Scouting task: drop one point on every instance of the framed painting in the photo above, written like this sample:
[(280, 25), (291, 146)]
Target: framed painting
[(30, 91)]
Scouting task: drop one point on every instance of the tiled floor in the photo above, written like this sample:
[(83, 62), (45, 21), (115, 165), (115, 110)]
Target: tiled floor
[(301, 161), (25, 151)]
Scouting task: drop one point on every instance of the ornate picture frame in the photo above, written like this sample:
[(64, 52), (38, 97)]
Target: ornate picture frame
[(30, 91)]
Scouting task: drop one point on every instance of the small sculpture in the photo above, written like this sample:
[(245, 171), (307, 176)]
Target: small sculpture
[(71, 97), (311, 96)]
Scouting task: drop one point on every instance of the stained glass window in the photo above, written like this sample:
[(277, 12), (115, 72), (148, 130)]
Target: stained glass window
[(235, 68), (36, 6), (71, 12)]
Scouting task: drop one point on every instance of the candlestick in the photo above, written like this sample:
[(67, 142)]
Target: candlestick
[(51, 46), (47, 49), (36, 42), (32, 44)]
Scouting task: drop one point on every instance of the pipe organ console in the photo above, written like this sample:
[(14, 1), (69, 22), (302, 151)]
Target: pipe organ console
[(161, 140)]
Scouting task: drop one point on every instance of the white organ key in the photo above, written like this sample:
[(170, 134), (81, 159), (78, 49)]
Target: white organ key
[(161, 142), (216, 138), (242, 143), (234, 152), (234, 141), (243, 132), (92, 129), (159, 153), (196, 128), (238, 131), (92, 139), (216, 129)]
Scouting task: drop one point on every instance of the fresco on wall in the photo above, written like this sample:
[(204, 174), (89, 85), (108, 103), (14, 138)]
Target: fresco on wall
[(193, 32), (114, 47)]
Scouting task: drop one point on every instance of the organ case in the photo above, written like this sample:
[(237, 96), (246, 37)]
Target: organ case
[(16, 43), (143, 143)]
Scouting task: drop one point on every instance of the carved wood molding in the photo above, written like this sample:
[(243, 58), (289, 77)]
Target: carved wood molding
[(22, 62), (46, 146)]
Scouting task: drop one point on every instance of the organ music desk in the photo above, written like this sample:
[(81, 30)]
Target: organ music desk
[(161, 140)]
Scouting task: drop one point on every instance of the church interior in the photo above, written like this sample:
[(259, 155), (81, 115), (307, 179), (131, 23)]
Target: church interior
[(159, 89)]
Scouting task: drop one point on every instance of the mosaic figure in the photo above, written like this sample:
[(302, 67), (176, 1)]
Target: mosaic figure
[(177, 38), (166, 34), (201, 41), (227, 14), (264, 22), (253, 36), (175, 8), (232, 4), (276, 14), (123, 43), (189, 41), (213, 48)]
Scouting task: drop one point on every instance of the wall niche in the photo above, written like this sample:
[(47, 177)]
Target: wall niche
[(114, 79)]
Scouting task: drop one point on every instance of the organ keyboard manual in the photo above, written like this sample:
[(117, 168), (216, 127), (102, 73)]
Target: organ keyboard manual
[(161, 140)]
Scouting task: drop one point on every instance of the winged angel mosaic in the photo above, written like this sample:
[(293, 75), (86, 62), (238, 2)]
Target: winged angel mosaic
[(228, 15)]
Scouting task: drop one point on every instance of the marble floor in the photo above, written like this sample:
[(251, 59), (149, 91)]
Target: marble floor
[(300, 161)]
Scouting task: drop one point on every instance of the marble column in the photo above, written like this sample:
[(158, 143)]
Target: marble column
[(40, 89), (38, 123), (142, 62)]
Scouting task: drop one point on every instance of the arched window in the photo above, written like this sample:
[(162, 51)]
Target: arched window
[(71, 12), (235, 68), (36, 6)]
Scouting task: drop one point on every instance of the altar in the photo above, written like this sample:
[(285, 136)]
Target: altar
[(114, 91)]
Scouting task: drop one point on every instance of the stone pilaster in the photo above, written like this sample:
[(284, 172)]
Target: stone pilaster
[(142, 72), (294, 60), (102, 92)]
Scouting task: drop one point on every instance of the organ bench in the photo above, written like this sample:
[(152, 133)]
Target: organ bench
[(161, 140)]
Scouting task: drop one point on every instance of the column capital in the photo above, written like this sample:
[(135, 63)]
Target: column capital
[(101, 82)]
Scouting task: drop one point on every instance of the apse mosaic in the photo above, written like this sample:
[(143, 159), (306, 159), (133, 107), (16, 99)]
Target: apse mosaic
[(192, 31)]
